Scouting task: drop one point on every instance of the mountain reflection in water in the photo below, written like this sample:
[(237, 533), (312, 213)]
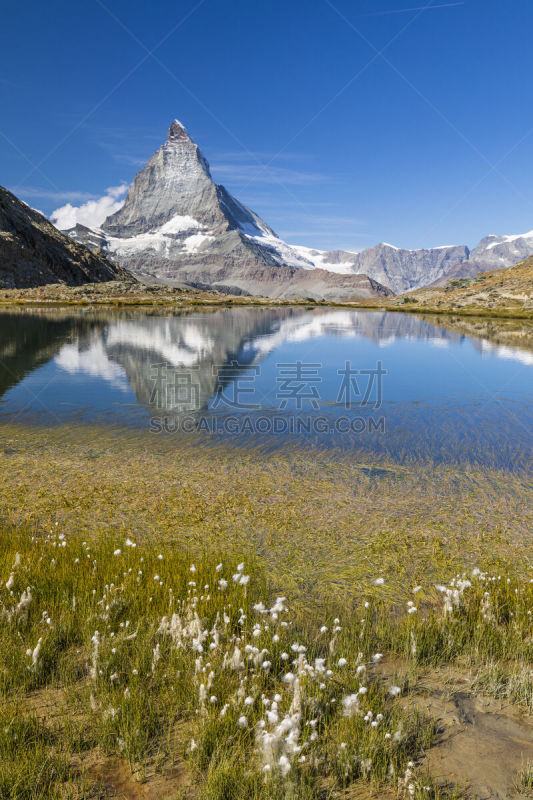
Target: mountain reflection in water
[(441, 384)]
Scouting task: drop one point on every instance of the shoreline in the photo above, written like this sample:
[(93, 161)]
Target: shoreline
[(230, 301)]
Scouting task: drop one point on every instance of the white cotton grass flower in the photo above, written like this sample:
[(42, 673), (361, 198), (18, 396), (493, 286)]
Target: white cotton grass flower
[(394, 691), (342, 662), (23, 604), (376, 658), (242, 722), (117, 552), (10, 582), (95, 639), (240, 567), (350, 704), (379, 581), (284, 765), (35, 653), (156, 656)]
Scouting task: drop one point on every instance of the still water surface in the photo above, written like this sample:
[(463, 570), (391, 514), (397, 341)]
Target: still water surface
[(386, 383)]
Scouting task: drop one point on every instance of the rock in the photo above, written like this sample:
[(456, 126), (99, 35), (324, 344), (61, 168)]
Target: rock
[(34, 253)]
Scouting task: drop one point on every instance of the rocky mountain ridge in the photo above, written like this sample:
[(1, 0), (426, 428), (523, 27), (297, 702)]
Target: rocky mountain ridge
[(399, 269), (34, 253), (405, 270)]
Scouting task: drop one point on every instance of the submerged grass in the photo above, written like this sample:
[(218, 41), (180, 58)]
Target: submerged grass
[(322, 524)]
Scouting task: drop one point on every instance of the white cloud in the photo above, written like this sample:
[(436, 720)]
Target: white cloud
[(93, 212)]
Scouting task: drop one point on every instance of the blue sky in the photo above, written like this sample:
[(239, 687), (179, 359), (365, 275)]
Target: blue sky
[(342, 122)]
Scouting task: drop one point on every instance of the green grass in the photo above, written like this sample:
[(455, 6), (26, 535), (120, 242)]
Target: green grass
[(525, 780), (160, 661)]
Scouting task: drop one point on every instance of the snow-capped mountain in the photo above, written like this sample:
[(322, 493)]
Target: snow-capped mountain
[(178, 226), (492, 252), (403, 270), (506, 250)]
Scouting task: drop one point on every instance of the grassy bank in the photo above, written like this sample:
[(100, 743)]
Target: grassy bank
[(196, 675), (501, 299)]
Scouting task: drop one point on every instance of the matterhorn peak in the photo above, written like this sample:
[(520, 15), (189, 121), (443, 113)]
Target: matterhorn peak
[(178, 225), (177, 132)]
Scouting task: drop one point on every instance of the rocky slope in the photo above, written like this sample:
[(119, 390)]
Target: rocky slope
[(178, 226), (493, 252), (33, 252), (508, 290)]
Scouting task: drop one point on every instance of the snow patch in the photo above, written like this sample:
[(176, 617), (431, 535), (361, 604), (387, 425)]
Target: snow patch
[(194, 243), (286, 254), (161, 239), (179, 224), (319, 260), (507, 239)]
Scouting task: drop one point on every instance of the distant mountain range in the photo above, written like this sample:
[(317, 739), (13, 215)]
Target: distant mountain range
[(178, 226), (34, 253), (404, 270)]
